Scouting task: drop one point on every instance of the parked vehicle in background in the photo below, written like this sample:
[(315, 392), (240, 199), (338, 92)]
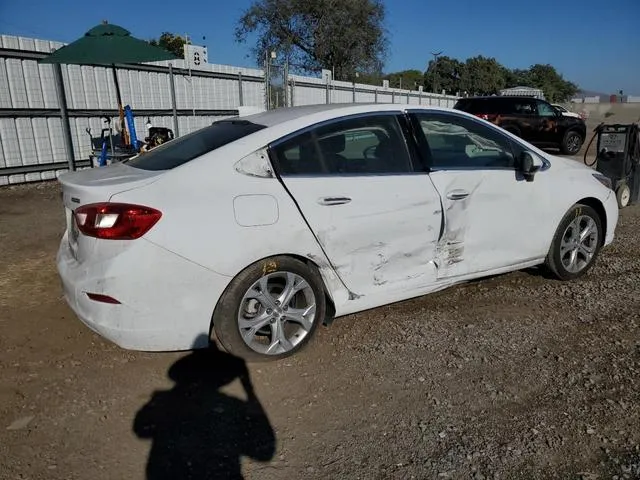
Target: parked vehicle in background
[(531, 119), (565, 112), (255, 230)]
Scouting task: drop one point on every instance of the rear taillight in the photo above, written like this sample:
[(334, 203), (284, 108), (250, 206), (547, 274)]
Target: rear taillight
[(115, 221)]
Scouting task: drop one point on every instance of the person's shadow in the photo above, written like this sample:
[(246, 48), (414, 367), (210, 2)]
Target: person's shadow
[(199, 432)]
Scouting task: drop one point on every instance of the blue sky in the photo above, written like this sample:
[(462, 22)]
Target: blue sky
[(595, 45)]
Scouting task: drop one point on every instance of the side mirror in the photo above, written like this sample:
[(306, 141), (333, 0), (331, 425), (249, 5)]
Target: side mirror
[(530, 163)]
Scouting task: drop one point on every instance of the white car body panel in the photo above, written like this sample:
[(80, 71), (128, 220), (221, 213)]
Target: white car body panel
[(227, 210), (368, 258), (164, 298), (500, 218)]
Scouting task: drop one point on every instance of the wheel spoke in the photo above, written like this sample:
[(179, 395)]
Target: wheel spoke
[(262, 294), (254, 323), (587, 231), (249, 328), (573, 260), (564, 248), (278, 339), (300, 315), (293, 286), (575, 229), (587, 251)]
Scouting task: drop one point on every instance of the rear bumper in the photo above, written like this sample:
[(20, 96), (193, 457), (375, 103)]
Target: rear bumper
[(166, 302)]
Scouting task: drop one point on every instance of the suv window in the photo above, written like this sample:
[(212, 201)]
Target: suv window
[(482, 106), (188, 147), (373, 144), (523, 106), (455, 142), (545, 110)]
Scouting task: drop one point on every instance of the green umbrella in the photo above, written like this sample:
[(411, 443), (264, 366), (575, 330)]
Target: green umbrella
[(108, 44)]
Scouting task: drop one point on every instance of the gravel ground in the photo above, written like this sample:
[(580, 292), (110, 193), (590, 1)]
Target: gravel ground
[(516, 376)]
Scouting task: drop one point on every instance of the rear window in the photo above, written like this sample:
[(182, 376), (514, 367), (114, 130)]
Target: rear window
[(188, 147)]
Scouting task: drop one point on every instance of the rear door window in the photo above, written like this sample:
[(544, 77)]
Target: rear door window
[(189, 147), (367, 145), (524, 107)]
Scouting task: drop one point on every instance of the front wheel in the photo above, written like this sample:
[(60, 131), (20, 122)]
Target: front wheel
[(270, 310), (571, 143), (576, 243)]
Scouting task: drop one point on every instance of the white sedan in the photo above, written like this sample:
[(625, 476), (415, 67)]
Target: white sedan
[(255, 230)]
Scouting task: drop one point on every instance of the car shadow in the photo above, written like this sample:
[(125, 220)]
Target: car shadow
[(540, 271), (196, 430)]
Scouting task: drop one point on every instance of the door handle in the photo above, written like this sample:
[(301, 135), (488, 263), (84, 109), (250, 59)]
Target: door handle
[(457, 195), (328, 201)]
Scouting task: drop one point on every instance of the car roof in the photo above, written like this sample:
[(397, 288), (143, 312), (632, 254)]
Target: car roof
[(496, 97), (271, 118)]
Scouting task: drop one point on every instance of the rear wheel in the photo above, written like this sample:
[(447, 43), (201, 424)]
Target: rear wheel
[(576, 243), (270, 310), (571, 143)]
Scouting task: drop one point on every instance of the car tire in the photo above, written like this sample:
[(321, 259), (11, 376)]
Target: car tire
[(571, 143), (260, 326), (569, 256), (623, 195)]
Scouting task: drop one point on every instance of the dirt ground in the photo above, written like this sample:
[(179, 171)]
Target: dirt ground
[(517, 376)]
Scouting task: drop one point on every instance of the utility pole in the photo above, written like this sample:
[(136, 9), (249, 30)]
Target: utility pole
[(435, 68)]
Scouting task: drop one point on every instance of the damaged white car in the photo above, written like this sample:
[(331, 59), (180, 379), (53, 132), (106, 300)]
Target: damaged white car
[(255, 230)]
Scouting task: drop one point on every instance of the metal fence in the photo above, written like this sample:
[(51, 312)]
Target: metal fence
[(32, 137), (309, 91)]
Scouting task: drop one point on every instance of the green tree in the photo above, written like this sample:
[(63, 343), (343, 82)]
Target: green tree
[(516, 78), (546, 78), (171, 42), (346, 36), (445, 73), (406, 79), (482, 76)]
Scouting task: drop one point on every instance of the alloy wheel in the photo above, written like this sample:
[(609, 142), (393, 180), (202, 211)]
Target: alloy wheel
[(579, 244), (276, 313)]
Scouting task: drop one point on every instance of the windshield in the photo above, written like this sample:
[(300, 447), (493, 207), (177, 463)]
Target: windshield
[(188, 147)]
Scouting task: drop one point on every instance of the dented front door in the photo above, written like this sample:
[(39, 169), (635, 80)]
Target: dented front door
[(490, 220), (491, 213)]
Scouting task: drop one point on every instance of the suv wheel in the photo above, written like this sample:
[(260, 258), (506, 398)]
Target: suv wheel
[(571, 143)]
